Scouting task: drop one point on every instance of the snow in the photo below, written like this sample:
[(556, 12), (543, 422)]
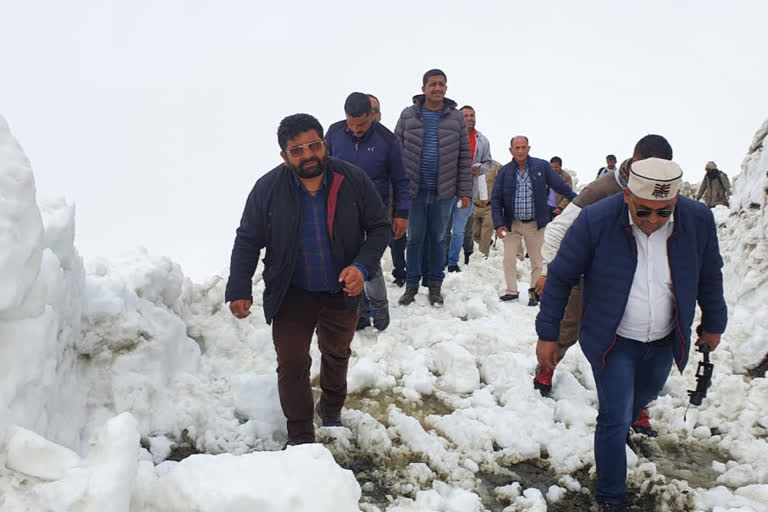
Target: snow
[(108, 367)]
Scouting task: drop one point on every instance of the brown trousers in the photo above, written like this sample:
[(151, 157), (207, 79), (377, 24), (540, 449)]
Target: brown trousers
[(482, 227), (534, 239), (300, 314)]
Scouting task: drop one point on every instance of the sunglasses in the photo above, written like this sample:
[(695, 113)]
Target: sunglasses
[(296, 151), (645, 212)]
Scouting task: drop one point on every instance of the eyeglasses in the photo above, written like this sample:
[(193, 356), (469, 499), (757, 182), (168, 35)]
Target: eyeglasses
[(315, 146), (645, 212)]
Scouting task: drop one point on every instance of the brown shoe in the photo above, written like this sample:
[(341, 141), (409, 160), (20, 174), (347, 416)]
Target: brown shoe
[(408, 296), (435, 298)]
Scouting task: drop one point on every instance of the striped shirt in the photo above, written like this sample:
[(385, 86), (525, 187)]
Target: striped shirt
[(523, 196), (314, 269), (430, 151)]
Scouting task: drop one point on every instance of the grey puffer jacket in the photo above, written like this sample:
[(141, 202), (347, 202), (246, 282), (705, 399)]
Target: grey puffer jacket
[(454, 178)]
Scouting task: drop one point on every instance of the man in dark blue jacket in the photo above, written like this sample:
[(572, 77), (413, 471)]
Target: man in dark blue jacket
[(324, 228), (647, 256), (366, 143), (520, 211)]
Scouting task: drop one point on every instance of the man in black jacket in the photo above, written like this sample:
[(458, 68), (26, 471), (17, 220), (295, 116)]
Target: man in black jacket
[(324, 228)]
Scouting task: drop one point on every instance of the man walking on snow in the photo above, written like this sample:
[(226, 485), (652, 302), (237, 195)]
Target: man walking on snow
[(646, 257)]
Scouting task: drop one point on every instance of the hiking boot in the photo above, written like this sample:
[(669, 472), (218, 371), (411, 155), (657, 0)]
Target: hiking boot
[(381, 318), (643, 424), (330, 418), (363, 322), (466, 258), (542, 381), (611, 507), (453, 268), (533, 297), (297, 441), (435, 297), (507, 297), (408, 296), (399, 282)]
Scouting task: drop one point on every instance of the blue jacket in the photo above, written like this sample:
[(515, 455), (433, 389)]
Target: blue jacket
[(380, 155), (601, 247), (542, 176)]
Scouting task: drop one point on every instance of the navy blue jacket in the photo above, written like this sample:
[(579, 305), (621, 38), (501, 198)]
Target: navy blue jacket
[(601, 246), (358, 226), (380, 155), (542, 176)]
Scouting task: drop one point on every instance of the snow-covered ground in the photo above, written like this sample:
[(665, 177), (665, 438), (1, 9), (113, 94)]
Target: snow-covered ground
[(112, 370)]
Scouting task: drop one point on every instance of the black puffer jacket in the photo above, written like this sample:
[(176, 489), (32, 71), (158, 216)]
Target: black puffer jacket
[(360, 230), (454, 178)]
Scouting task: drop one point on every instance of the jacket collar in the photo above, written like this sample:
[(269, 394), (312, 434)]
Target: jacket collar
[(448, 103)]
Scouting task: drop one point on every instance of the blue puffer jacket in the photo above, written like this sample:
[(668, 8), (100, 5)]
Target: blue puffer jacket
[(600, 245), (503, 195), (380, 155)]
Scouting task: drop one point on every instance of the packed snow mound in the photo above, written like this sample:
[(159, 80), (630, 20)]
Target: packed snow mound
[(743, 234)]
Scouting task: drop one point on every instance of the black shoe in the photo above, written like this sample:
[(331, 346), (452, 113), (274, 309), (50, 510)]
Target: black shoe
[(507, 297), (435, 297), (466, 258), (533, 297), (611, 507), (399, 281), (330, 418), (453, 268), (381, 318), (408, 296), (363, 322)]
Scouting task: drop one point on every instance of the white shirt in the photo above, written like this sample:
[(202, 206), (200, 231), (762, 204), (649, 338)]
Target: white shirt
[(650, 311)]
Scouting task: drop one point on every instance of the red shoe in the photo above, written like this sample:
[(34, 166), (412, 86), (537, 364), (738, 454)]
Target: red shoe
[(643, 424), (543, 381)]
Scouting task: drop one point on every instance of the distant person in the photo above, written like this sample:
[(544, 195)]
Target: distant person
[(647, 257), (480, 150), (558, 202), (324, 228), (715, 188), (438, 161), (482, 228), (366, 143), (520, 211), (649, 146), (375, 107), (610, 166)]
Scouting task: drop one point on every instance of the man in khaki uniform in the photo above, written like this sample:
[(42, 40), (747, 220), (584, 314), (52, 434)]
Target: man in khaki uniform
[(482, 220), (715, 188)]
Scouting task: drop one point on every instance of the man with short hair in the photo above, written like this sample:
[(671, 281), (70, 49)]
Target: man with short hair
[(520, 212), (610, 166), (480, 149), (647, 256), (324, 228), (715, 187), (375, 107), (366, 143), (558, 202), (438, 161)]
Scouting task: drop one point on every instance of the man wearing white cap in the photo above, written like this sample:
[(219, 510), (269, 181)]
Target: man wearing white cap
[(647, 257)]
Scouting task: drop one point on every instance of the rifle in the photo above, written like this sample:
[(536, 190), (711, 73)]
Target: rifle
[(703, 379)]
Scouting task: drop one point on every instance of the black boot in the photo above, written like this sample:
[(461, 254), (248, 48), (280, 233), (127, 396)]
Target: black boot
[(466, 258), (408, 296)]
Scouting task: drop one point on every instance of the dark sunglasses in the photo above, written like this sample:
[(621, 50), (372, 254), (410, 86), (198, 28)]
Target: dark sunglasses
[(296, 151), (645, 212)]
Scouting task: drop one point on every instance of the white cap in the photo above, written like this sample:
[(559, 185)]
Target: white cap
[(655, 179)]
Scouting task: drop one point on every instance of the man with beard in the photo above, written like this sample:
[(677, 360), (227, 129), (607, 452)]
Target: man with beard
[(324, 228)]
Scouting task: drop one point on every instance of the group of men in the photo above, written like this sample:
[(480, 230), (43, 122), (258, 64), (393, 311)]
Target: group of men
[(620, 268)]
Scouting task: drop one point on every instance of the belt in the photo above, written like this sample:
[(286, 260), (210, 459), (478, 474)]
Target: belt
[(661, 342), (525, 221)]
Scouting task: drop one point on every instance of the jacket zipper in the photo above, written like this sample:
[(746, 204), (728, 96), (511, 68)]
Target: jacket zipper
[(683, 346), (616, 329)]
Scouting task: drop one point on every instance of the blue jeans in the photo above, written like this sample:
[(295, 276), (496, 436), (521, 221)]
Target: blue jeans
[(427, 222), (460, 217), (632, 376)]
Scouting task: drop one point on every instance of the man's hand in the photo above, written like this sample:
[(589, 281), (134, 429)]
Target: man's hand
[(539, 286), (240, 308), (546, 353), (352, 279), (501, 232), (707, 338), (476, 169), (558, 211), (464, 202), (399, 227)]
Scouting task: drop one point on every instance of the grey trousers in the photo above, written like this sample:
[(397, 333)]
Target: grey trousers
[(375, 296)]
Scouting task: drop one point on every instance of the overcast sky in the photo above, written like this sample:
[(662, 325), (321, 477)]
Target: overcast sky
[(156, 117)]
